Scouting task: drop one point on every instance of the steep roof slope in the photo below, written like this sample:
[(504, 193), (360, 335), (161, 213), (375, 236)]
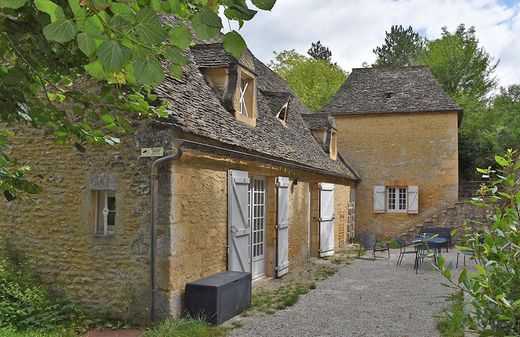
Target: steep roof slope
[(390, 90), (195, 108)]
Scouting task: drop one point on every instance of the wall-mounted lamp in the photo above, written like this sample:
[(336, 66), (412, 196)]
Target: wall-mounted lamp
[(295, 181)]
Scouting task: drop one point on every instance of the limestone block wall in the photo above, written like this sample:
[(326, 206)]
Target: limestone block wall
[(401, 150), (55, 229)]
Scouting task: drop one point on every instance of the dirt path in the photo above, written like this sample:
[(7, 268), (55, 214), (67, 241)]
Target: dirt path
[(364, 299)]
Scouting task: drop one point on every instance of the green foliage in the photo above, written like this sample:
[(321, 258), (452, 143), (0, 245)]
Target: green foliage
[(319, 52), (402, 47), (285, 296), (26, 304), (314, 81), (66, 63), (460, 65), (10, 332), (450, 323), (185, 327), (494, 290)]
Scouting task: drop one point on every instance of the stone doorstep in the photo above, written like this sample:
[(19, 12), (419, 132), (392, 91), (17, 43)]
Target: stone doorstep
[(114, 333)]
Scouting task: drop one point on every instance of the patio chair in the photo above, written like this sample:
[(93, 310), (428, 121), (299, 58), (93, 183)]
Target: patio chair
[(422, 252), (402, 250), (464, 253), (439, 232), (370, 243)]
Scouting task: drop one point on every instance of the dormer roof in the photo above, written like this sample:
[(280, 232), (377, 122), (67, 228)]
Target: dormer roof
[(320, 121)]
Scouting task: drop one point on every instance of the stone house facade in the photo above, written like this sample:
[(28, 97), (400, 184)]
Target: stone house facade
[(245, 185), (399, 130)]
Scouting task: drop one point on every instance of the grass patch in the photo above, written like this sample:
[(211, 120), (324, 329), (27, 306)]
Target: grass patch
[(450, 322), (324, 273), (285, 296), (185, 327)]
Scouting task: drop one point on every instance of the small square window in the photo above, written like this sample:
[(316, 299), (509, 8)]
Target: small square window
[(106, 212), (397, 199)]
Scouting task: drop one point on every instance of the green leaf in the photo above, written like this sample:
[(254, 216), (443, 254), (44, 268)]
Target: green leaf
[(463, 275), (156, 5), (148, 28), (234, 43), (501, 161), (113, 55), (481, 269), (239, 12), (206, 23), (93, 26), (14, 4), (79, 12), (49, 7), (266, 5), (60, 31), (95, 69), (175, 55), (180, 36), (122, 10), (148, 71), (175, 71), (86, 44), (175, 6)]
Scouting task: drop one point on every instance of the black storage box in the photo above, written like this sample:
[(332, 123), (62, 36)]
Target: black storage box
[(219, 297)]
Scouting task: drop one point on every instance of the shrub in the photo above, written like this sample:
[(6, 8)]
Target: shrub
[(493, 292), (25, 303)]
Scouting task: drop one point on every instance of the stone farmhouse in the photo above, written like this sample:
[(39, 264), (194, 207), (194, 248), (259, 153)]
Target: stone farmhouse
[(249, 180)]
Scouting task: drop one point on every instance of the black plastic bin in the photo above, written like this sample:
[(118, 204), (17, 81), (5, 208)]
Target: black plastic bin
[(219, 297)]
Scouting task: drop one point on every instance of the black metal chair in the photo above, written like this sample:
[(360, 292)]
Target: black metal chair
[(464, 253), (402, 250), (370, 244), (422, 251)]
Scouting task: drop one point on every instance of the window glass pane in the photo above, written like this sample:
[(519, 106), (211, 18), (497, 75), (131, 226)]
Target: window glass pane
[(391, 198), (111, 203), (111, 219)]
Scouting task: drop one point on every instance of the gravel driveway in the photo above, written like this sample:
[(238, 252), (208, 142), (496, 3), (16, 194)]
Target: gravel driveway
[(364, 299)]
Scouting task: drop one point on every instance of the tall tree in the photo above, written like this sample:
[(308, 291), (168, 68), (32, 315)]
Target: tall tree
[(73, 66), (402, 47), (460, 64), (319, 52), (315, 81)]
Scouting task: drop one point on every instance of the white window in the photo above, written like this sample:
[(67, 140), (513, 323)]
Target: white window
[(247, 87), (282, 114), (105, 212), (396, 199)]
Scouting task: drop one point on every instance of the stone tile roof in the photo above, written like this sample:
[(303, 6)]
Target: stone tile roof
[(390, 90), (319, 121), (196, 109)]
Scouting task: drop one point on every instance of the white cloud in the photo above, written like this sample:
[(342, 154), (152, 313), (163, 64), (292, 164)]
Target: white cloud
[(351, 29)]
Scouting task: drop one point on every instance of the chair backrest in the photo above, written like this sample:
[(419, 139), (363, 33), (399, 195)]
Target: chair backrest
[(368, 240), (441, 232), (400, 242)]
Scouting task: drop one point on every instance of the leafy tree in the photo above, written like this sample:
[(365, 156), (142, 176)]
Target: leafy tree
[(460, 65), (402, 47), (492, 293), (319, 52), (78, 67), (314, 81)]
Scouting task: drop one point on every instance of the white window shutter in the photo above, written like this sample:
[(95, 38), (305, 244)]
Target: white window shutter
[(379, 199), (239, 231), (413, 199), (282, 242)]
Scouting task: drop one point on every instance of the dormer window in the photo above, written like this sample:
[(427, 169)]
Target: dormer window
[(282, 114), (333, 147), (245, 97)]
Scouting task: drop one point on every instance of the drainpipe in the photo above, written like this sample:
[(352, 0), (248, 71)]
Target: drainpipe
[(153, 230)]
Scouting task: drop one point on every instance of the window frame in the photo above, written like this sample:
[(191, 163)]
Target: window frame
[(399, 196), (102, 212)]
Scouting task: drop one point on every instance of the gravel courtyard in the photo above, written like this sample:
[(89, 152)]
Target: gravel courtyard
[(364, 299)]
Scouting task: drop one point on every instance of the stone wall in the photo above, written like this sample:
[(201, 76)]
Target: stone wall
[(55, 230), (417, 149)]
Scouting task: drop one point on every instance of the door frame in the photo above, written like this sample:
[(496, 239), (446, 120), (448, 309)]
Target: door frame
[(251, 222)]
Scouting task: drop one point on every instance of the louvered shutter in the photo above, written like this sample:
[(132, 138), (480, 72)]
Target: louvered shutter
[(326, 219), (413, 199), (239, 231), (282, 242), (379, 199)]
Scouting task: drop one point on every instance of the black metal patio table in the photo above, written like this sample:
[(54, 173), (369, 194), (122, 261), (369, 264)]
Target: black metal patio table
[(430, 242)]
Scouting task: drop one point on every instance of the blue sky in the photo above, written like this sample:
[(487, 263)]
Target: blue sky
[(351, 29)]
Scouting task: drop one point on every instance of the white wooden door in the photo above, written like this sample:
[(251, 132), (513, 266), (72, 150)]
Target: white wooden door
[(258, 224), (326, 219), (239, 231), (282, 227)]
